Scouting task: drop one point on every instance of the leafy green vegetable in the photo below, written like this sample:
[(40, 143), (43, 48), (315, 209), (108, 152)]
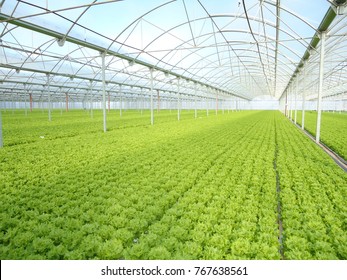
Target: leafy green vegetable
[(195, 189)]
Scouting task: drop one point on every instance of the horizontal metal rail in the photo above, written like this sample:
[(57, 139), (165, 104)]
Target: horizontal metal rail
[(337, 158), (43, 30), (324, 25)]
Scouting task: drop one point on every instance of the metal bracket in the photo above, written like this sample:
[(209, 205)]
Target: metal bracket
[(61, 42), (340, 8), (1, 4)]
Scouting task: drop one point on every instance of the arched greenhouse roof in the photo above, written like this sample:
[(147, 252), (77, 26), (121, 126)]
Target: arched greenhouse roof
[(246, 49)]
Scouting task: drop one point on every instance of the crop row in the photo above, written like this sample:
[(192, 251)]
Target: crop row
[(196, 189), (19, 128), (313, 192), (229, 213), (93, 197)]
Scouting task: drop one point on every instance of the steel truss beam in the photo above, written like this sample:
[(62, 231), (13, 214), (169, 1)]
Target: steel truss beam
[(59, 36)]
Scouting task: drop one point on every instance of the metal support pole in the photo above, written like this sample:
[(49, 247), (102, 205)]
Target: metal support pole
[(84, 102), (286, 105), (1, 139), (143, 101), (91, 99), (103, 69), (61, 101), (49, 100), (291, 103), (25, 105), (288, 102), (195, 105), (152, 105), (178, 100), (40, 105), (303, 101), (170, 103), (138, 103), (217, 103), (295, 97), (109, 102), (320, 89), (13, 105), (158, 101)]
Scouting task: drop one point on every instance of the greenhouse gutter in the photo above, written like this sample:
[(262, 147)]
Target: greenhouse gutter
[(338, 159), (58, 35)]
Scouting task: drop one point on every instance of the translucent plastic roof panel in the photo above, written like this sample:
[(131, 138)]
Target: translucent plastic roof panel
[(246, 48)]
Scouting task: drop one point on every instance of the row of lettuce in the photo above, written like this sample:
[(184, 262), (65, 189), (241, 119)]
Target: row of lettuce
[(333, 129), (198, 189), (313, 191)]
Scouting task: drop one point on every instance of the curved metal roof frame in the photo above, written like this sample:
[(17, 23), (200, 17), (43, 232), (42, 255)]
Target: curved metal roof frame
[(189, 22), (147, 65), (206, 57), (336, 38), (267, 60)]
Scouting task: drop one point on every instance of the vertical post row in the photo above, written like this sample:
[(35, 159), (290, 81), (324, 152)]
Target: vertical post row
[(295, 97), (196, 109), (320, 89), (103, 68), (178, 100), (1, 140), (303, 101), (158, 101), (152, 105)]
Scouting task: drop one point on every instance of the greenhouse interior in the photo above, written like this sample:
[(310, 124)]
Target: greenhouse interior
[(173, 129)]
